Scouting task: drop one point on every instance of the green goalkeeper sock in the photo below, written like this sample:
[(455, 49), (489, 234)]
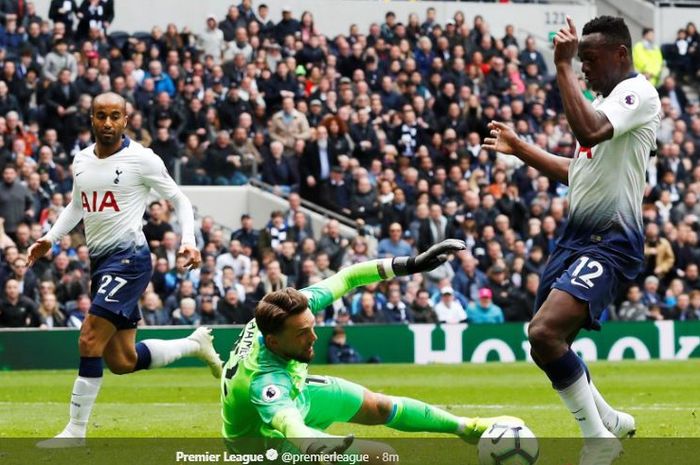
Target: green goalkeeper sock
[(414, 415)]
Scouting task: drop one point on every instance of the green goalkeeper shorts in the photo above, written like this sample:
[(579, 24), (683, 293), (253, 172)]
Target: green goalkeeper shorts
[(332, 400)]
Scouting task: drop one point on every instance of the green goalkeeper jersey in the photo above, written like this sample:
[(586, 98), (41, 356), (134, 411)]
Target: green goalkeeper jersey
[(258, 385)]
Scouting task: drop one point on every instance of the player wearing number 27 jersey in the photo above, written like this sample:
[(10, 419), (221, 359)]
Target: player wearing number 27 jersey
[(603, 241), (112, 180), (110, 195)]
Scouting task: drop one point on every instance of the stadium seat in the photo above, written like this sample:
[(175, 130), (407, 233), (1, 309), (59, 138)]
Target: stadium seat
[(118, 39), (142, 35)]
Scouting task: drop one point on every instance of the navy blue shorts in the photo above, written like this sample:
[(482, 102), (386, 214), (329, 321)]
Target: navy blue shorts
[(588, 274), (117, 283)]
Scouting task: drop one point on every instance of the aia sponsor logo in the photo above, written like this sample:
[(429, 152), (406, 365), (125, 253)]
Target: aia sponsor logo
[(98, 202)]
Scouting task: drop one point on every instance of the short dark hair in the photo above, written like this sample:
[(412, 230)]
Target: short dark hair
[(612, 28), (646, 30), (273, 310)]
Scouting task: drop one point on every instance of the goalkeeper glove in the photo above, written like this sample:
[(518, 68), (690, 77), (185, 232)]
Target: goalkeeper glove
[(428, 260)]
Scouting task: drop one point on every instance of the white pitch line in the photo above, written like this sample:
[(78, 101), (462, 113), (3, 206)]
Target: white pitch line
[(154, 404), (651, 407)]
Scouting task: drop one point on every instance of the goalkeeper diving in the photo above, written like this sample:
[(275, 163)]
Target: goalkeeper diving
[(267, 392)]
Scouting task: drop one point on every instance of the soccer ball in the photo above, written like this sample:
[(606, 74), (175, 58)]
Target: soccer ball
[(508, 444)]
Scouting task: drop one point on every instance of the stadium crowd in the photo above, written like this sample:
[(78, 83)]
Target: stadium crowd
[(383, 125)]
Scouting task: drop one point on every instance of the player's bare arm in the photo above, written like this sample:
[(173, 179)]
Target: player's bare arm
[(588, 125), (37, 250), (503, 139), (192, 254)]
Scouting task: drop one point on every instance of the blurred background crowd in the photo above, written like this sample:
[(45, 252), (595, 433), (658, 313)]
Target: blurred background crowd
[(383, 126)]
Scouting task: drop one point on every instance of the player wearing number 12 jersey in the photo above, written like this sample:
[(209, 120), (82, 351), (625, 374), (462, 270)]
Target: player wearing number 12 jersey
[(603, 242), (112, 181), (266, 391)]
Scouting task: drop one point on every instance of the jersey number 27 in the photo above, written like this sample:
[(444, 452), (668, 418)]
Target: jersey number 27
[(106, 281)]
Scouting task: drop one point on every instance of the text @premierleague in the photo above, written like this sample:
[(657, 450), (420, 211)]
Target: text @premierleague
[(272, 455)]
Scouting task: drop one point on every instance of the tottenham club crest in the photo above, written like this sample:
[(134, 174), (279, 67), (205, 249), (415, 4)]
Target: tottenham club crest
[(630, 100), (118, 172), (271, 393)]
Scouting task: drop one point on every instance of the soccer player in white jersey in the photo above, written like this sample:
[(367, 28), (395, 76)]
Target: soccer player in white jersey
[(112, 181), (603, 242)]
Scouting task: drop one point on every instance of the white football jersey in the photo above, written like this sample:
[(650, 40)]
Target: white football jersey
[(112, 194), (606, 182)]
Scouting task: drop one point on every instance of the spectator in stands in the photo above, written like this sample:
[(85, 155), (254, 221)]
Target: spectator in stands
[(50, 312), (16, 310), (369, 311), (289, 125), (530, 54), (235, 259), (333, 244), (647, 56), (364, 204), (26, 280), (232, 309), (394, 245), (15, 200), (633, 309), (449, 310), (395, 308), (223, 166), (339, 192), (523, 306), (677, 98), (693, 311), (272, 236), (279, 172), (59, 59), (650, 295), (315, 168), (681, 308), (94, 15), (63, 11), (156, 227), (421, 309), (208, 311), (247, 236), (152, 310), (433, 229), (211, 41), (186, 314), (658, 252), (484, 310), (168, 249), (339, 351), (274, 280), (468, 278), (77, 315)]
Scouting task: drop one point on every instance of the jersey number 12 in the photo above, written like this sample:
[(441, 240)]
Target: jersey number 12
[(586, 279)]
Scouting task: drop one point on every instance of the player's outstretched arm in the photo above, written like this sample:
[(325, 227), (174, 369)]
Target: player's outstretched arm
[(156, 176), (503, 139), (330, 289), (589, 125), (308, 440), (67, 220)]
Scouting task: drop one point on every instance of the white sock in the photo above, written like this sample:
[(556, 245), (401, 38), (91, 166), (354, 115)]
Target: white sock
[(607, 413), (81, 401), (578, 398), (164, 352)]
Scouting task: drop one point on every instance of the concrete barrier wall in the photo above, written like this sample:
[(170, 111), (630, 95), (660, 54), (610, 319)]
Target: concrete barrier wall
[(227, 203)]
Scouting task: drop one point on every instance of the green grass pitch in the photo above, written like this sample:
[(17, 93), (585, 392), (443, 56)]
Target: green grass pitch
[(182, 403)]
